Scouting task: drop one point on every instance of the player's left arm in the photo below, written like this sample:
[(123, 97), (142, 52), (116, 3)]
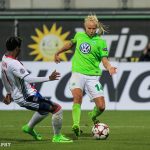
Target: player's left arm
[(112, 70), (53, 76)]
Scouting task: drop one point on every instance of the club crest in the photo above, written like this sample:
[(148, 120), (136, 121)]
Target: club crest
[(85, 48)]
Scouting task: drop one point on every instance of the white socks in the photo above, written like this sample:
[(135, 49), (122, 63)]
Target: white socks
[(36, 118), (57, 122)]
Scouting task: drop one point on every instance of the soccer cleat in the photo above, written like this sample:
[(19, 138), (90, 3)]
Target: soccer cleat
[(76, 130), (32, 132), (61, 139)]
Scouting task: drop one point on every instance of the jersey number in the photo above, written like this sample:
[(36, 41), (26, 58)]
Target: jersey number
[(98, 87)]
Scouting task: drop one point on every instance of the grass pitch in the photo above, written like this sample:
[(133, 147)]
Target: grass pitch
[(129, 130)]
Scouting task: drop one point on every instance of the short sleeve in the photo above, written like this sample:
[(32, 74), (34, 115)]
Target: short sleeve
[(74, 40), (104, 50), (19, 70)]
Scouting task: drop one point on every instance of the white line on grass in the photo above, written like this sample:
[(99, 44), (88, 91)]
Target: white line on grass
[(84, 126), (91, 126)]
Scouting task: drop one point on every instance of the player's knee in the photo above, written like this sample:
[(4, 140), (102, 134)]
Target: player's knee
[(78, 96), (77, 99), (56, 108), (49, 107)]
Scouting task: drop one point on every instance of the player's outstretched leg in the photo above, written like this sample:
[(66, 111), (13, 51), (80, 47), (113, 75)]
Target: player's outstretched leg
[(32, 132), (29, 128)]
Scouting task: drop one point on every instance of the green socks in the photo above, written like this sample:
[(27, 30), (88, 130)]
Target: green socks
[(95, 113), (76, 113)]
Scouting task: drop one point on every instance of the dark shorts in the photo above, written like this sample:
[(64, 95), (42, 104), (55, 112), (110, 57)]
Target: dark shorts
[(42, 105)]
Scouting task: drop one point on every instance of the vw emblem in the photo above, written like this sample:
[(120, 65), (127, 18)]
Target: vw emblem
[(85, 48)]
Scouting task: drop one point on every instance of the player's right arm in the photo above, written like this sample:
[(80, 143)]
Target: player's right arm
[(7, 99), (66, 47), (6, 83)]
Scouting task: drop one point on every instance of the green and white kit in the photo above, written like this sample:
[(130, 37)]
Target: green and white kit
[(85, 63)]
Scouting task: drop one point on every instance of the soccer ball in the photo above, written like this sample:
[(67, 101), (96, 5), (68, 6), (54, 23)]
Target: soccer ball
[(100, 131)]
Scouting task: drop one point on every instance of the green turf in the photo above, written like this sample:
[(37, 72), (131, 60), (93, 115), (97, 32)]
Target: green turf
[(129, 130)]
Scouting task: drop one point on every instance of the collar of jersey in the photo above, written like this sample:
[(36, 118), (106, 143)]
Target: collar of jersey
[(91, 37), (9, 56)]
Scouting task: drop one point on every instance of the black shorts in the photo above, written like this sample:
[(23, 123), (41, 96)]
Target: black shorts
[(42, 105)]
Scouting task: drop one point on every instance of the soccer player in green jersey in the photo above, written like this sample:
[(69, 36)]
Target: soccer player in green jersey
[(90, 51)]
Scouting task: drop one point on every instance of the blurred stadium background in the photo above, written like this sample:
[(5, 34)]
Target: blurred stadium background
[(46, 25)]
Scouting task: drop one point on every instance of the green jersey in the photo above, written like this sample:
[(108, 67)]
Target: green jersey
[(88, 54)]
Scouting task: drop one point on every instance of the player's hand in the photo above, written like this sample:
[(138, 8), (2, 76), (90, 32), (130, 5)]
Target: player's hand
[(54, 76), (7, 100), (112, 70), (56, 58)]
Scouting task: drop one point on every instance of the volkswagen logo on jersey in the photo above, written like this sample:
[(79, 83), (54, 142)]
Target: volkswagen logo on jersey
[(85, 48)]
